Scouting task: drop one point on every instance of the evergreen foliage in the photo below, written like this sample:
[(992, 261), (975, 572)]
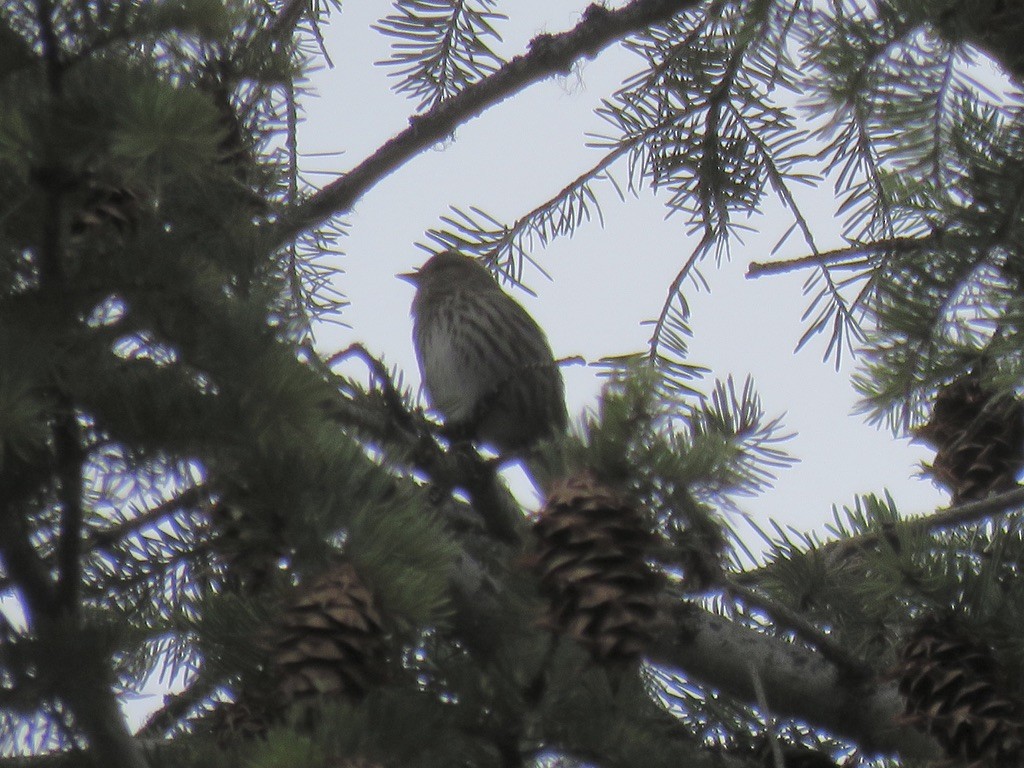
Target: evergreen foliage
[(178, 466)]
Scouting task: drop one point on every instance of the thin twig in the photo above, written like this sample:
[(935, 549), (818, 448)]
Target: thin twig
[(674, 291), (187, 498), (762, 702), (528, 221), (708, 198), (392, 397), (853, 257)]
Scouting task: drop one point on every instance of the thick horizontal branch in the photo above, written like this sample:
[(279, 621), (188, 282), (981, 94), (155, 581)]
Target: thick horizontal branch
[(799, 682), (853, 667), (548, 55)]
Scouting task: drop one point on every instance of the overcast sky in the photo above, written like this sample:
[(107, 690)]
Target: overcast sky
[(606, 280)]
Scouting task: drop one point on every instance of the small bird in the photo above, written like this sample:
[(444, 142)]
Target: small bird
[(486, 365)]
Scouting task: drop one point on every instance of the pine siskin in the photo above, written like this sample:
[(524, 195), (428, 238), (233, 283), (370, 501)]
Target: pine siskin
[(486, 365)]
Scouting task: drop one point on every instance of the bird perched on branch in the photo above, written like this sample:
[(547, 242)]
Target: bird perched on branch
[(486, 365)]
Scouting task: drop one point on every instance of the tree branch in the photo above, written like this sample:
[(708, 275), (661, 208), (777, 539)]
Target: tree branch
[(548, 55), (384, 420), (70, 458), (187, 498), (175, 707), (27, 572), (89, 698), (284, 23), (951, 517), (51, 45), (96, 712), (852, 667), (851, 257), (825, 689), (799, 682)]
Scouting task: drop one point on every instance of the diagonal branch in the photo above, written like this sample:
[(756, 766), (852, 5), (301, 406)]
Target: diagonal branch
[(384, 420), (175, 708), (189, 497), (548, 55)]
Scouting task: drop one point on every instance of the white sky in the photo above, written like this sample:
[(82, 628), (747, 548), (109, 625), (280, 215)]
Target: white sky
[(605, 280)]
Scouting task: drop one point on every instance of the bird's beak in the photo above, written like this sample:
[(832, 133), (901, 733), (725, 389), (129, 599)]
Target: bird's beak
[(409, 277)]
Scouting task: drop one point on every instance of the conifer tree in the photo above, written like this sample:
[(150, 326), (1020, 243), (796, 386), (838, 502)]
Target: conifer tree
[(190, 491)]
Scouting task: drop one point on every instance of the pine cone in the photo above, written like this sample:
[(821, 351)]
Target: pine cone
[(330, 640), (592, 546), (979, 437), (954, 690)]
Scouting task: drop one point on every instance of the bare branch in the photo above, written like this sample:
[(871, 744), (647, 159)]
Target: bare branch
[(853, 257)]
